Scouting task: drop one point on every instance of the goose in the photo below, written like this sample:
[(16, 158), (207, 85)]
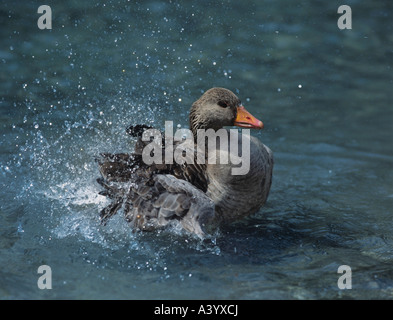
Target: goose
[(198, 197)]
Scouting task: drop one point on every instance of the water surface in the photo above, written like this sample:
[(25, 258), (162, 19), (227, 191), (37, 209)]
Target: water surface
[(324, 95)]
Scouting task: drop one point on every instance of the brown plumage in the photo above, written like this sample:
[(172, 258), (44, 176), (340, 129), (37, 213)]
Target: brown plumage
[(199, 197)]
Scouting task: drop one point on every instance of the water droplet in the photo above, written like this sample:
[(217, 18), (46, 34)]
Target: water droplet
[(20, 228)]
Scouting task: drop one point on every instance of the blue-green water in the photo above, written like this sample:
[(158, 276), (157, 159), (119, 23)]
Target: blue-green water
[(324, 94)]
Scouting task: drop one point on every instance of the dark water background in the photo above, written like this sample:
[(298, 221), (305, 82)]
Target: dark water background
[(324, 94)]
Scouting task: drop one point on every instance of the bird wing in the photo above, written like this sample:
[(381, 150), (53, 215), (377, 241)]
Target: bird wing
[(163, 200), (155, 195)]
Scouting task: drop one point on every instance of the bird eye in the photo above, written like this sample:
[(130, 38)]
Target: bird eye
[(222, 104)]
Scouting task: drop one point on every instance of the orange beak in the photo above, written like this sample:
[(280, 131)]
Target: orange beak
[(245, 119)]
